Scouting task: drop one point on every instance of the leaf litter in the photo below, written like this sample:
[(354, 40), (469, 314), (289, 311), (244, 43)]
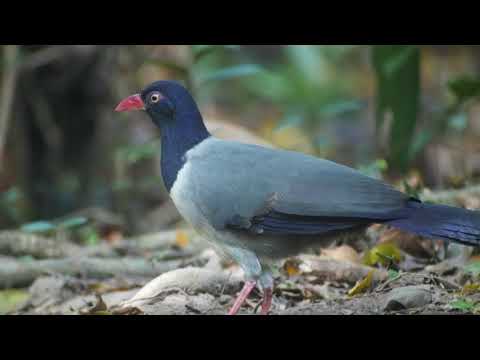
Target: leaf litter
[(382, 279)]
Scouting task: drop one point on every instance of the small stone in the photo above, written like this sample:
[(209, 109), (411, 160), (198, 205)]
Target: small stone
[(224, 299), (408, 297)]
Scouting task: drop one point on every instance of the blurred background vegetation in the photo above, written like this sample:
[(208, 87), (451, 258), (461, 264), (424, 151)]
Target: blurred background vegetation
[(406, 113)]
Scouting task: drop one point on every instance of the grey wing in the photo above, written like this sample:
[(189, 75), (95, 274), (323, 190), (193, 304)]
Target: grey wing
[(270, 191)]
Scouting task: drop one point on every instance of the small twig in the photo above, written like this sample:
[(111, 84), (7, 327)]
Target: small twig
[(251, 304), (225, 284), (446, 283), (383, 286)]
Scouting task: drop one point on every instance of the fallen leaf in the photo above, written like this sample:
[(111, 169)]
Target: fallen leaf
[(181, 239), (363, 285), (337, 271), (100, 308), (473, 268), (343, 253), (412, 244), (462, 304), (393, 274), (292, 267), (470, 289), (113, 236), (383, 254), (193, 280)]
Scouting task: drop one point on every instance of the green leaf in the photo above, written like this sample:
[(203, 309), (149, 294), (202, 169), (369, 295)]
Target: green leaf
[(383, 254), (73, 222), (463, 304), (231, 72), (363, 285), (38, 226), (398, 76), (374, 169), (465, 88), (473, 268), (89, 235), (393, 274)]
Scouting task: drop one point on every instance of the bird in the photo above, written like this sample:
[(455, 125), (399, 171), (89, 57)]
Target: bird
[(257, 205)]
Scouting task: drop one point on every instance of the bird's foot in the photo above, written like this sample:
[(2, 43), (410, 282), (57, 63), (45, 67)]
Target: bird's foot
[(267, 301), (247, 289)]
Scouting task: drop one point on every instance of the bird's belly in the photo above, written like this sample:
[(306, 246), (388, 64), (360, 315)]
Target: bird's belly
[(183, 195)]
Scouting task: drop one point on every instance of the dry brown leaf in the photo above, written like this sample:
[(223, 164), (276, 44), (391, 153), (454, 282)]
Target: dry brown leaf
[(336, 271), (343, 253), (411, 244), (113, 236), (292, 267)]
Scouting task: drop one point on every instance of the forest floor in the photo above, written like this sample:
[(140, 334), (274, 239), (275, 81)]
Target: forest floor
[(175, 272), (117, 279)]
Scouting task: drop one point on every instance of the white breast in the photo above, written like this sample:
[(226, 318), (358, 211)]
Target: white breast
[(184, 188)]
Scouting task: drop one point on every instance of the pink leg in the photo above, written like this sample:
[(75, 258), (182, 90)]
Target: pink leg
[(247, 289), (267, 301)]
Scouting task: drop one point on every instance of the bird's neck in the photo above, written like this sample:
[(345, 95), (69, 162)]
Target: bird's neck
[(178, 137)]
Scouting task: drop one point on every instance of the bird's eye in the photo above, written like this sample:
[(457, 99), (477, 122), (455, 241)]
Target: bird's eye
[(155, 98)]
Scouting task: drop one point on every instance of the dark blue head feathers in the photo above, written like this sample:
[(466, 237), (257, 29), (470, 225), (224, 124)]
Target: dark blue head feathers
[(173, 109)]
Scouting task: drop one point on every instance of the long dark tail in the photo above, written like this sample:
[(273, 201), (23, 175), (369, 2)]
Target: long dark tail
[(441, 222)]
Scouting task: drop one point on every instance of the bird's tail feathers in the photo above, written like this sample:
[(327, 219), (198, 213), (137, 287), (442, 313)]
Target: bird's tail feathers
[(441, 222)]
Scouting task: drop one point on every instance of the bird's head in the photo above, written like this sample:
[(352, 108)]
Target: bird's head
[(163, 100)]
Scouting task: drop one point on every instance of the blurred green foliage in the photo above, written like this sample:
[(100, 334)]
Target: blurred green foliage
[(311, 85), (306, 88), (398, 92), (324, 90), (463, 305), (375, 169), (10, 299), (79, 227), (473, 268), (49, 226)]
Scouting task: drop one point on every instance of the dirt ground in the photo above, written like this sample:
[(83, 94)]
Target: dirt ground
[(313, 284)]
